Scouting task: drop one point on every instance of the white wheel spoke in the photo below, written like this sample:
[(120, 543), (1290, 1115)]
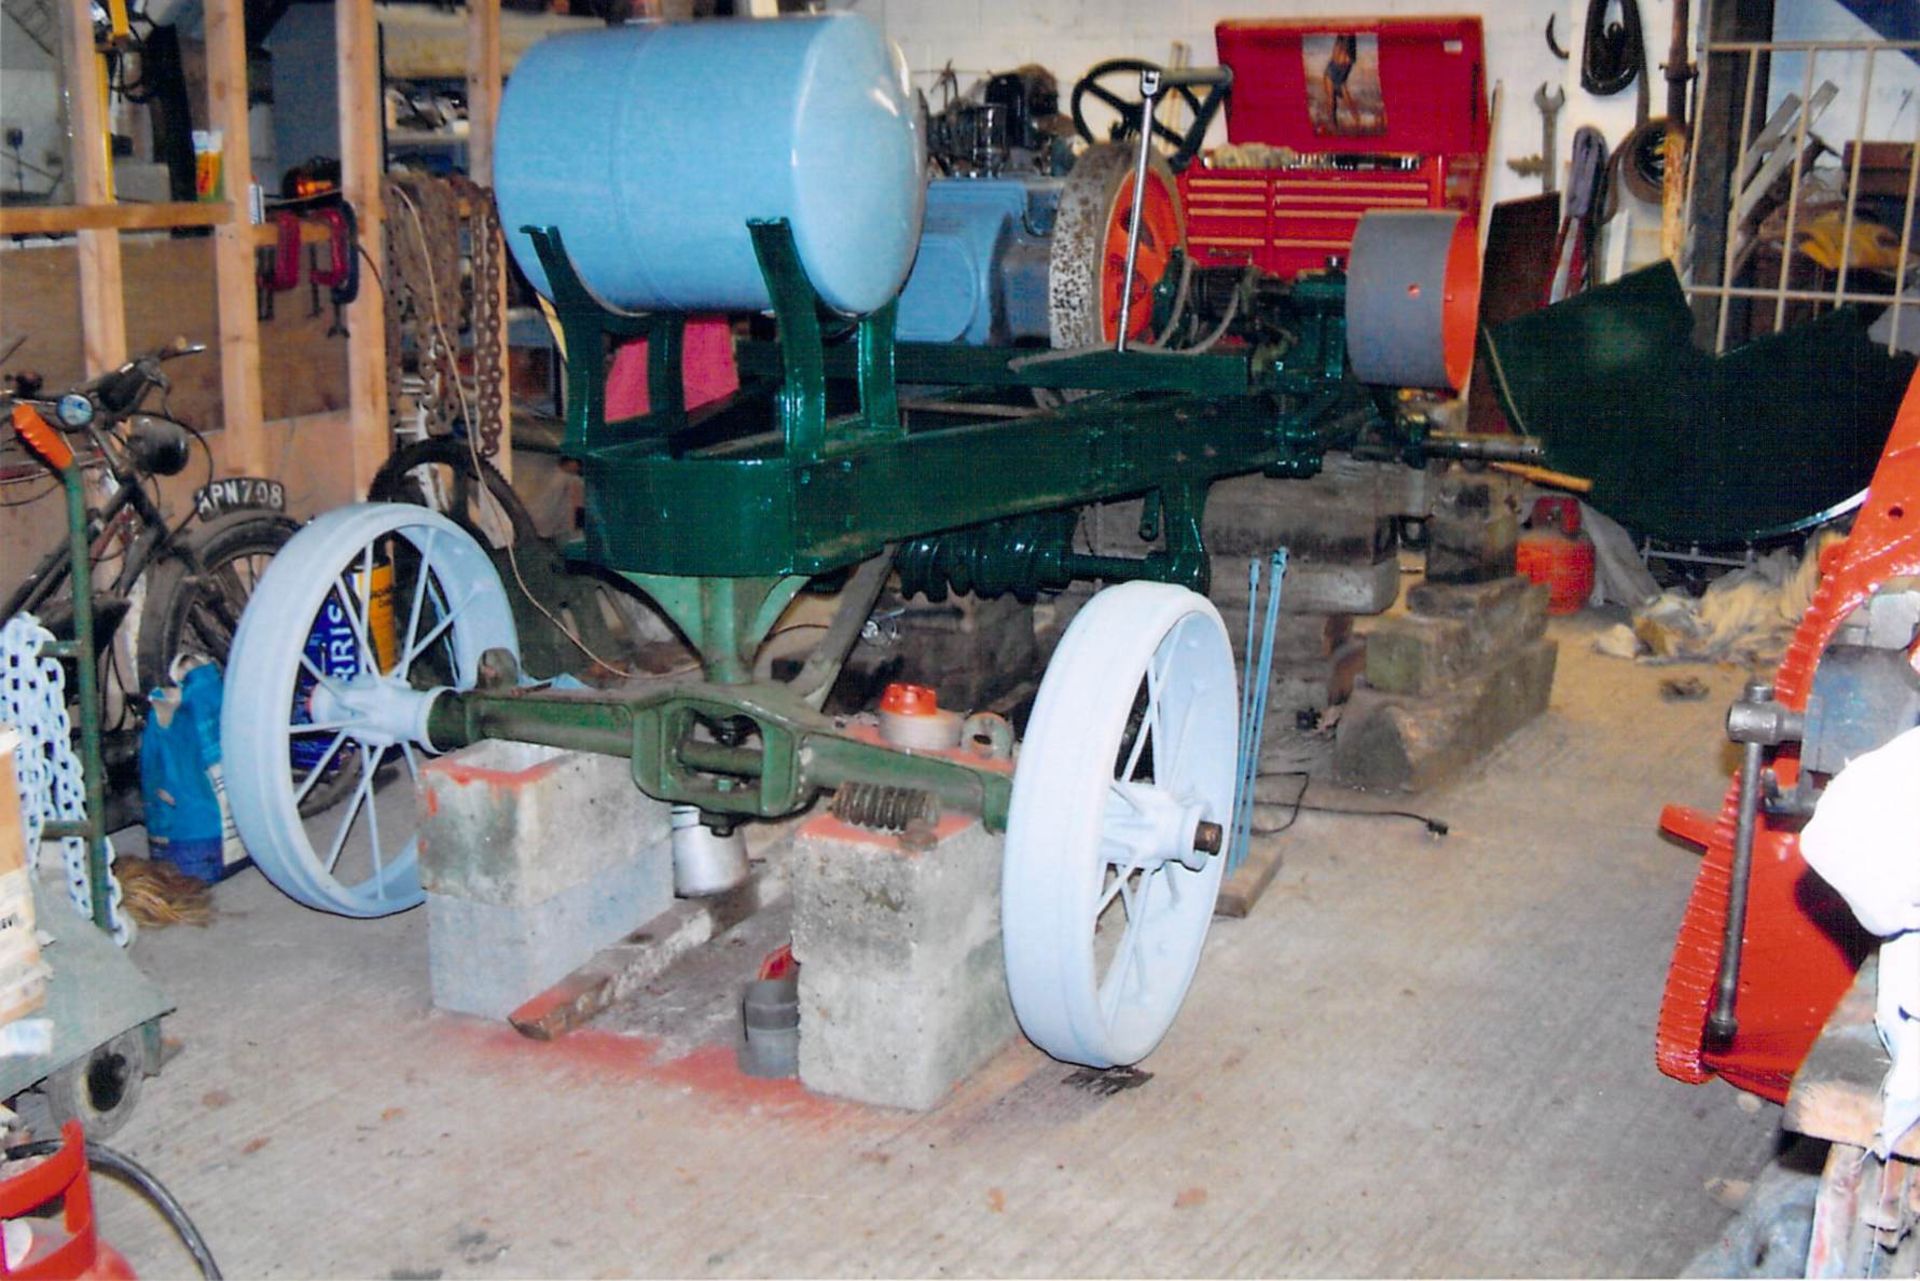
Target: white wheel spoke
[(319, 768), (367, 664), (419, 596), (1136, 719), (281, 756), (318, 727), (372, 662), (319, 677), (426, 642), (372, 758), (353, 811)]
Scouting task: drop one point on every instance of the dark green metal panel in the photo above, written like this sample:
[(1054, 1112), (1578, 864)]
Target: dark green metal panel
[(1686, 447)]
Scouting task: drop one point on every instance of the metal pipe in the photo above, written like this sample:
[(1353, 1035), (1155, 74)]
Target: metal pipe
[(1724, 1022), (1149, 90), (91, 769)]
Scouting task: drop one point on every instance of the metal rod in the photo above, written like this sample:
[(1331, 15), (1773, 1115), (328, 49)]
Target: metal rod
[(1853, 179), (1793, 188), (1906, 237), (1724, 1021), (80, 549), (1735, 176), (1804, 46), (1149, 90)]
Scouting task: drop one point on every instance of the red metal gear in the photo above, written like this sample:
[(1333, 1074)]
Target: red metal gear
[(1802, 944)]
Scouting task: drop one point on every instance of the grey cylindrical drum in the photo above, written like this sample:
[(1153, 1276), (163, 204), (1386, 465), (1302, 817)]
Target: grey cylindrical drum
[(1413, 298)]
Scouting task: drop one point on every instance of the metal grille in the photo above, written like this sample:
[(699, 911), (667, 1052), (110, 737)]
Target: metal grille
[(1788, 139)]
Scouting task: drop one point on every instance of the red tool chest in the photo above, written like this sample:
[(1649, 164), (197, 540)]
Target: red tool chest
[(1377, 113)]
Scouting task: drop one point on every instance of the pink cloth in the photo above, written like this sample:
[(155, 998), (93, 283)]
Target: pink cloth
[(707, 368)]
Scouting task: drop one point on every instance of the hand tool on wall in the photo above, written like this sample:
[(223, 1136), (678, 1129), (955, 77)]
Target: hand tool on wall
[(1549, 99)]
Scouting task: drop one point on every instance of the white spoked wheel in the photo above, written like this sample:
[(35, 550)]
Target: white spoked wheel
[(1106, 891), (364, 617)]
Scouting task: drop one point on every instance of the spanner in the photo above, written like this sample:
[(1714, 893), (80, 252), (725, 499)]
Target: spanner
[(1549, 104)]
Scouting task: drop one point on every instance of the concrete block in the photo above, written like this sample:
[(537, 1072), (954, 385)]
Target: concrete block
[(1456, 629), (1315, 684), (903, 991), (533, 860), (1312, 587), (1296, 637), (1318, 519), (516, 823), (1473, 531), (1396, 743)]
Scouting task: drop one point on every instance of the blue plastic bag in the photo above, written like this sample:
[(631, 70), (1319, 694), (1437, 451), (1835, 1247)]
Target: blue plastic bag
[(188, 823)]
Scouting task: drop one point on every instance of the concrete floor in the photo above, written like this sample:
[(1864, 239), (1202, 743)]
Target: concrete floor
[(1417, 1057)]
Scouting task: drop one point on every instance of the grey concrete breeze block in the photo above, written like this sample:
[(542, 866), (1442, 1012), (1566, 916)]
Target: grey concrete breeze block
[(514, 824)]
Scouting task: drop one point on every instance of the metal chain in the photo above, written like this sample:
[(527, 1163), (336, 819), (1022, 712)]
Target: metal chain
[(33, 700), (486, 318), (464, 287)]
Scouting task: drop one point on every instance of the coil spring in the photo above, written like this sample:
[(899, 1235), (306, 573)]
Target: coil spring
[(883, 806)]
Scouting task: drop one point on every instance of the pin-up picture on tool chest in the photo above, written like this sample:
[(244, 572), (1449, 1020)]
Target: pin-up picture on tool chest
[(1329, 120)]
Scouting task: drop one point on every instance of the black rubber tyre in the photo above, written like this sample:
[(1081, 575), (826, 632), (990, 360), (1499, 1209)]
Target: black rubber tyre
[(189, 613), (486, 514), (100, 1089)]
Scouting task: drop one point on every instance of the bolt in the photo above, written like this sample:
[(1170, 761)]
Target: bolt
[(1208, 838)]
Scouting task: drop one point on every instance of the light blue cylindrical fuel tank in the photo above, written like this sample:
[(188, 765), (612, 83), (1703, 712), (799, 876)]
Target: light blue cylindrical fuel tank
[(650, 146)]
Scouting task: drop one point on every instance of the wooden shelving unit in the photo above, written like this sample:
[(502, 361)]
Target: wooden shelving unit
[(96, 220)]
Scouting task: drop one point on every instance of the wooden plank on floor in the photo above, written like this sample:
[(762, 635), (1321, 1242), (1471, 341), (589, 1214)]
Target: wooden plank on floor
[(1836, 1093), (1239, 892)]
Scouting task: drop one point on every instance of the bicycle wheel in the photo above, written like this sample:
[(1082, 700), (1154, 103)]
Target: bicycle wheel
[(439, 473), (196, 614)]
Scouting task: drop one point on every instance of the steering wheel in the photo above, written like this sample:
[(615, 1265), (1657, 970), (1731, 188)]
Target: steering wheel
[(1129, 108)]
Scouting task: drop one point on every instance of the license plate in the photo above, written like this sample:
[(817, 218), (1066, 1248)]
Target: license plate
[(236, 492)]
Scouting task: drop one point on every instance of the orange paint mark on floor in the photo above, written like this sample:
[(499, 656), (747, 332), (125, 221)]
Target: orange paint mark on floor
[(592, 1054)]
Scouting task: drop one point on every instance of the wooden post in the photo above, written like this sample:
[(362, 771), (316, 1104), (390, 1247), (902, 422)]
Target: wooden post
[(484, 75), (103, 313), (362, 167), (233, 275)]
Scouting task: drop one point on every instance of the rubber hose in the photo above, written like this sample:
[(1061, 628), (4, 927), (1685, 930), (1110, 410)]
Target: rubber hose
[(142, 1181), (1612, 54)]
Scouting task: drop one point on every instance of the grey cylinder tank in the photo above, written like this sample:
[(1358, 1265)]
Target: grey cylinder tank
[(650, 146)]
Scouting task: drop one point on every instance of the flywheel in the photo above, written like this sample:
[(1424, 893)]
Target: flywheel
[(1088, 261)]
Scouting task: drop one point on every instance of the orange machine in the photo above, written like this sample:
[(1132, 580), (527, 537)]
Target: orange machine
[(1847, 684)]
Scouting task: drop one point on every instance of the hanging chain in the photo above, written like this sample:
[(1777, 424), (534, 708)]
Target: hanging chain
[(440, 290), (52, 786), (486, 318)]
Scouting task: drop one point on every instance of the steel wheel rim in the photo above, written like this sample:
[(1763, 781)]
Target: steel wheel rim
[(1102, 820), (445, 607)]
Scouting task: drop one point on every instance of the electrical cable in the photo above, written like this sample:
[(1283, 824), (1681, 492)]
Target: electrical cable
[(473, 443), (135, 1175), (1298, 806)]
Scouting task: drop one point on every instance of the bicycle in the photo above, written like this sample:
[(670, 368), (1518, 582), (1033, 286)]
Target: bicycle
[(162, 590)]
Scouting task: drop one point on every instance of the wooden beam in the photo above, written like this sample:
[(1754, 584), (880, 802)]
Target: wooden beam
[(483, 113), (233, 274), (362, 169), (103, 314), (57, 220)]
